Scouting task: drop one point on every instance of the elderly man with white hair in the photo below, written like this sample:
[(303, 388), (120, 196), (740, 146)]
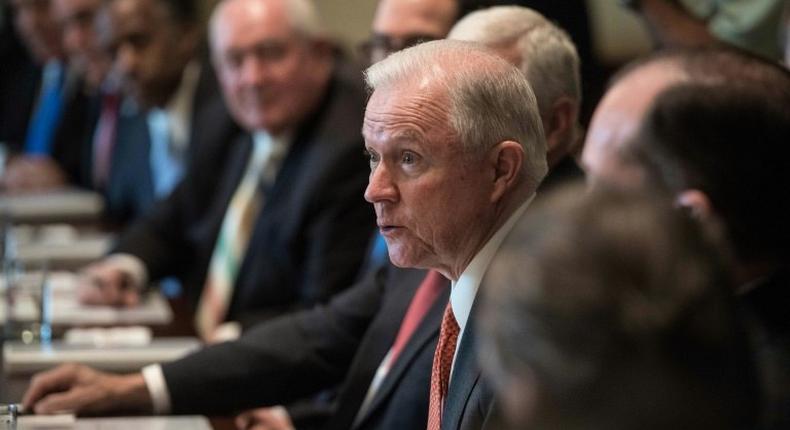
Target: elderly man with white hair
[(548, 58), (272, 221), (456, 151)]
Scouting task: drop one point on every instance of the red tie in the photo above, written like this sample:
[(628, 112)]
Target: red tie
[(423, 299), (104, 139), (442, 362)]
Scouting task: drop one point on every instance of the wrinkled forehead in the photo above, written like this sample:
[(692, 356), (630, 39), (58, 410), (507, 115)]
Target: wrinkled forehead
[(407, 112)]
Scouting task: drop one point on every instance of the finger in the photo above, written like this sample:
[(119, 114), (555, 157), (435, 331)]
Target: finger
[(130, 297), (76, 400), (57, 379), (243, 421)]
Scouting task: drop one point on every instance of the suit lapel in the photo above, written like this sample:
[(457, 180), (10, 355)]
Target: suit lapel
[(377, 341), (465, 376), (423, 337)]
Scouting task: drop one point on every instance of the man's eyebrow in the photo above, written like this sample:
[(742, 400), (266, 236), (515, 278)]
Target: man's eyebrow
[(407, 134)]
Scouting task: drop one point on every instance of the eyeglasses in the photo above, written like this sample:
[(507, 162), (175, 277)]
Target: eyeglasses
[(379, 46)]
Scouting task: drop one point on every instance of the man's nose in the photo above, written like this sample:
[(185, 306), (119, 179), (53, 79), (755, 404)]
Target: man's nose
[(381, 186), (253, 71), (126, 61)]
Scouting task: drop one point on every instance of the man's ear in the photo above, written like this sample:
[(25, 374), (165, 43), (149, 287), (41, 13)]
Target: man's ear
[(507, 158), (696, 203), (560, 128)]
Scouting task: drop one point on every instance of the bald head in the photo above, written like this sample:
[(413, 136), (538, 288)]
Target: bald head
[(401, 18), (619, 116), (399, 24)]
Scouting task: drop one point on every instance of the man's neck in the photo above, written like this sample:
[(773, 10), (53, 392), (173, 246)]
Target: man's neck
[(503, 212)]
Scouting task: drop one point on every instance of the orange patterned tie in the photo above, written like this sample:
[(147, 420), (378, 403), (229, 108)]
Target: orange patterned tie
[(442, 363)]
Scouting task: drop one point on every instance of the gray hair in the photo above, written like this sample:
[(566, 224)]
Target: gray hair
[(302, 15), (546, 54), (490, 100)]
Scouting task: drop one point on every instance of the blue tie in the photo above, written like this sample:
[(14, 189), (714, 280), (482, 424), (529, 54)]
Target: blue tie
[(167, 162), (45, 120)]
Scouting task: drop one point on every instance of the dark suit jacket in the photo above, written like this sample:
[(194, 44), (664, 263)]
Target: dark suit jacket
[(469, 397), (310, 236), (19, 82), (767, 307), (130, 192), (299, 354)]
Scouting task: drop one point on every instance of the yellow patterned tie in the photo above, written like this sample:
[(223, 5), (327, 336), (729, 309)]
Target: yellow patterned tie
[(232, 241)]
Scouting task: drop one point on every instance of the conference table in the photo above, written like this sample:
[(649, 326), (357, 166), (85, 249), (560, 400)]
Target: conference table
[(13, 384), (79, 236)]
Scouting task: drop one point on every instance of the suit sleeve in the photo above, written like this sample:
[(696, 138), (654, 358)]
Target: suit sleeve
[(157, 238), (280, 360)]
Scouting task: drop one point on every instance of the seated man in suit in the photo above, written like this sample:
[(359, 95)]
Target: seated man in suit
[(456, 152), (541, 50), (699, 153), (173, 110), (34, 100), (594, 324), (274, 220), (692, 144)]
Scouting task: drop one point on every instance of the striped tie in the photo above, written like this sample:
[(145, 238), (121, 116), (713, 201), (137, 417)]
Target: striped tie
[(232, 244)]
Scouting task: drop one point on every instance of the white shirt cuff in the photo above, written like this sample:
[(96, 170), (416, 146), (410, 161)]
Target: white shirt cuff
[(132, 266), (157, 388)]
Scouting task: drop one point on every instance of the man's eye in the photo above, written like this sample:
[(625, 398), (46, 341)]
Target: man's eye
[(372, 158), (407, 158)]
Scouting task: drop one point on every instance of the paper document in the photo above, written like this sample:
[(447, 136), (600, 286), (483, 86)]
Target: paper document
[(57, 243), (67, 203), (36, 422), (67, 310), (22, 358)]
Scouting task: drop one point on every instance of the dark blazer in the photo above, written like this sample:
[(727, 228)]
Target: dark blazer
[(129, 192), (19, 83), (401, 401), (767, 308), (300, 354), (469, 397), (309, 237)]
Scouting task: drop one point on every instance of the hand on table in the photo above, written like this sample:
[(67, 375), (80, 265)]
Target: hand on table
[(103, 283), (85, 391), (25, 173), (271, 418)]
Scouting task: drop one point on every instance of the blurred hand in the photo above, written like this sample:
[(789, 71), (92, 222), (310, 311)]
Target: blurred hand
[(85, 391), (25, 173), (104, 283), (272, 418)]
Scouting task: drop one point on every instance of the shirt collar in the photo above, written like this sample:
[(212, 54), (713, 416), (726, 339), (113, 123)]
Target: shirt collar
[(178, 109), (464, 290), (270, 150)]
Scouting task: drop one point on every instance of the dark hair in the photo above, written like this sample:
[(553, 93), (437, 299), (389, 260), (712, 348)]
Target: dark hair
[(712, 65), (182, 11), (620, 308), (729, 141)]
